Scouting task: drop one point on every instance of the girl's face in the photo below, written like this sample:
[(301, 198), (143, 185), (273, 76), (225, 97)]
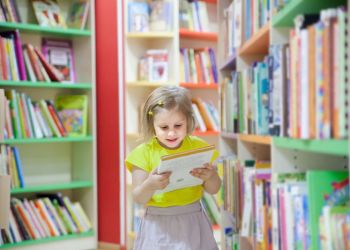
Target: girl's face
[(170, 127)]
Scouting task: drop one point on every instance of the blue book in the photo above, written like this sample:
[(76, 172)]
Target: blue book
[(18, 166), (138, 17)]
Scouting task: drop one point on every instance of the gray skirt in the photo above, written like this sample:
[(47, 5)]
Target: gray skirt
[(175, 228)]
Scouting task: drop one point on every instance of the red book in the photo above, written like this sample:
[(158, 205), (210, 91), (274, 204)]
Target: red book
[(56, 118), (54, 74)]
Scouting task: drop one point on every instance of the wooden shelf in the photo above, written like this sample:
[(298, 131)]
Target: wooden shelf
[(48, 140), (206, 133), (258, 43), (198, 35), (329, 146), (35, 28), (285, 17), (51, 187), (228, 135), (230, 63), (55, 85), (150, 35), (190, 85), (257, 139)]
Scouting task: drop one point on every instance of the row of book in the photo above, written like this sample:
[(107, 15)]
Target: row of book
[(299, 90), (48, 13), (193, 15), (206, 115), (43, 118), (154, 66), (150, 16), (49, 215), (198, 65), (10, 164), (283, 211), (55, 62)]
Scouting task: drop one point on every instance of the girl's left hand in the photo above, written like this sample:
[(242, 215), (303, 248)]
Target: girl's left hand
[(205, 172)]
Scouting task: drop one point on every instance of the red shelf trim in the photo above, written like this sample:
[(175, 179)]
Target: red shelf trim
[(190, 34)]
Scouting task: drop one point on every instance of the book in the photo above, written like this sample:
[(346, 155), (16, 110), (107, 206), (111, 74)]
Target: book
[(59, 54), (77, 14), (4, 200), (181, 164), (72, 109), (138, 17), (48, 13)]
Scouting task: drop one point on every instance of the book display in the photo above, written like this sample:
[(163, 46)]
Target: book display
[(284, 131), (47, 124), (160, 51)]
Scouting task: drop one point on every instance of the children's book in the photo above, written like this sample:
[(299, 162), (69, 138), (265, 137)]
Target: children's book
[(48, 13), (77, 15), (72, 110), (138, 17), (59, 53), (181, 164)]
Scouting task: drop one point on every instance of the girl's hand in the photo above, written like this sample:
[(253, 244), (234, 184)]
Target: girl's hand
[(205, 173), (158, 181)]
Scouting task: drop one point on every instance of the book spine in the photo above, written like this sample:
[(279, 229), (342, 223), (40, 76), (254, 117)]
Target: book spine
[(19, 54)]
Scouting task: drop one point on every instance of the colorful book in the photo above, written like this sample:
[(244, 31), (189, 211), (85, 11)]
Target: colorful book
[(77, 14), (72, 110)]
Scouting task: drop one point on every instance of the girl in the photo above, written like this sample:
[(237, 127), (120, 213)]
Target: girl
[(173, 220)]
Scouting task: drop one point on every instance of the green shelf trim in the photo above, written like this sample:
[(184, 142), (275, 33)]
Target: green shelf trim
[(34, 28), (329, 146), (56, 85), (46, 140), (285, 17), (49, 239), (50, 187)]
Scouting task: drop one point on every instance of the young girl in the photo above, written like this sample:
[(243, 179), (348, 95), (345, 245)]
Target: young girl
[(173, 220)]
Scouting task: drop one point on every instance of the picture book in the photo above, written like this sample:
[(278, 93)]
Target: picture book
[(181, 164), (72, 109), (157, 65), (138, 17), (48, 13), (77, 14), (59, 53), (160, 18)]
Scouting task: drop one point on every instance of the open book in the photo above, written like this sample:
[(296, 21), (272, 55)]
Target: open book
[(181, 164)]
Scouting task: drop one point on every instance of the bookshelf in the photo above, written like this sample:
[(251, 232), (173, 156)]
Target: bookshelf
[(135, 45), (67, 164), (315, 157)]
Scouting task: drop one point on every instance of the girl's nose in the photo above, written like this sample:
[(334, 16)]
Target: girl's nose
[(171, 132)]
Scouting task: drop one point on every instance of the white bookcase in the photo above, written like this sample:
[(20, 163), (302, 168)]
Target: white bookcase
[(135, 45)]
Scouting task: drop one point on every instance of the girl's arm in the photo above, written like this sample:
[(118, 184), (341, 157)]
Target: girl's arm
[(208, 174), (145, 184)]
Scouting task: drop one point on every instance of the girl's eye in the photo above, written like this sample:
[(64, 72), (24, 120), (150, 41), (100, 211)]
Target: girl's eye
[(178, 125), (164, 127)]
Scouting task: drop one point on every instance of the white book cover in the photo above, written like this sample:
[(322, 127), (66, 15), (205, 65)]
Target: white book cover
[(36, 127), (199, 118), (181, 164), (304, 85), (29, 67), (203, 16)]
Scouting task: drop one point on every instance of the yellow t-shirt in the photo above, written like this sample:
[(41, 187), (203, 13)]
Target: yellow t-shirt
[(147, 157)]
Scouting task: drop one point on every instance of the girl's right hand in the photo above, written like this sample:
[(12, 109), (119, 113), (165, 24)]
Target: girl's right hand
[(158, 181)]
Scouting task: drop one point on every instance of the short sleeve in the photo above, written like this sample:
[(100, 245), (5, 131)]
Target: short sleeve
[(139, 158)]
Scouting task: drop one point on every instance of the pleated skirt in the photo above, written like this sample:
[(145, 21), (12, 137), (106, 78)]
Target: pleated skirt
[(175, 228)]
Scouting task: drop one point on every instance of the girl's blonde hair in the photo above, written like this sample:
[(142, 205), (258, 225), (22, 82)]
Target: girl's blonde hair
[(167, 97)]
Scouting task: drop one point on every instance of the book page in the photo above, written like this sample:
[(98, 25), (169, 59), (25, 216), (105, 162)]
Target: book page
[(180, 165)]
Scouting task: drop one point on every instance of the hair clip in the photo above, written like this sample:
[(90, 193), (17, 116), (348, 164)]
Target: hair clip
[(160, 103), (150, 113)]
